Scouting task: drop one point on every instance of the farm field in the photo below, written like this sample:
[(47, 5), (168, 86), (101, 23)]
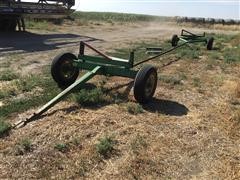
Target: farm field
[(190, 130)]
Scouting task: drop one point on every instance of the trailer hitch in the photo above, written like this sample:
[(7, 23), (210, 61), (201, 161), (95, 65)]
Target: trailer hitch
[(22, 123)]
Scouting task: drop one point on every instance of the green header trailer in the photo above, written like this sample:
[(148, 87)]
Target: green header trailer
[(66, 66), (13, 12)]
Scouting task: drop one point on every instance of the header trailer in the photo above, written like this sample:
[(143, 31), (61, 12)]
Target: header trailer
[(12, 12)]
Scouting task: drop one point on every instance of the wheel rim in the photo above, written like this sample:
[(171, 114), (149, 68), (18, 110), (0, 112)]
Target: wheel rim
[(67, 69), (150, 85)]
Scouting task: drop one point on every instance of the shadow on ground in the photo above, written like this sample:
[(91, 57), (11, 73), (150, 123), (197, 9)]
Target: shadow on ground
[(166, 107), (24, 42)]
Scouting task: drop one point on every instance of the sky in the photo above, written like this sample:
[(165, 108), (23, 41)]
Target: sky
[(226, 9)]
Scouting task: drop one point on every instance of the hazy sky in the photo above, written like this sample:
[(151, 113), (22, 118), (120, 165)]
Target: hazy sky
[(195, 8)]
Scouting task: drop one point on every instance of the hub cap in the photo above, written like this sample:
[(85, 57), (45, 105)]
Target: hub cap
[(67, 69), (150, 84)]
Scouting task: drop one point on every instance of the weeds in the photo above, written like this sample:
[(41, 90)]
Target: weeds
[(23, 147), (62, 147), (133, 108), (27, 145), (105, 146)]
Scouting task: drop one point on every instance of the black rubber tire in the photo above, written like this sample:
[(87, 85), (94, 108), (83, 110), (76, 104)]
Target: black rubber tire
[(142, 81), (210, 43), (64, 80), (175, 40)]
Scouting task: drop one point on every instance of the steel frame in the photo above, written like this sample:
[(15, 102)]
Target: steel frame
[(189, 37)]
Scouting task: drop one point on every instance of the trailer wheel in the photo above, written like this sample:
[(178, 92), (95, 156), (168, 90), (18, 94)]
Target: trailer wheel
[(145, 84), (175, 40), (63, 71), (210, 43)]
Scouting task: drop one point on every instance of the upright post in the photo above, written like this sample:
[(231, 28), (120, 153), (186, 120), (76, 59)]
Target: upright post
[(81, 49), (131, 58), (23, 24)]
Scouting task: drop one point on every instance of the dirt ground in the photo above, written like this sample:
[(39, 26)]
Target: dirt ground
[(190, 130), (38, 47)]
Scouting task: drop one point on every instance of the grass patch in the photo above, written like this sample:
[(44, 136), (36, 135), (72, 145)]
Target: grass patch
[(105, 146), (36, 24), (26, 144), (232, 55), (40, 24), (227, 47), (62, 147), (188, 53), (138, 143), (25, 84), (23, 147), (22, 85), (5, 128), (8, 75), (133, 108), (7, 93), (91, 97), (26, 103)]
